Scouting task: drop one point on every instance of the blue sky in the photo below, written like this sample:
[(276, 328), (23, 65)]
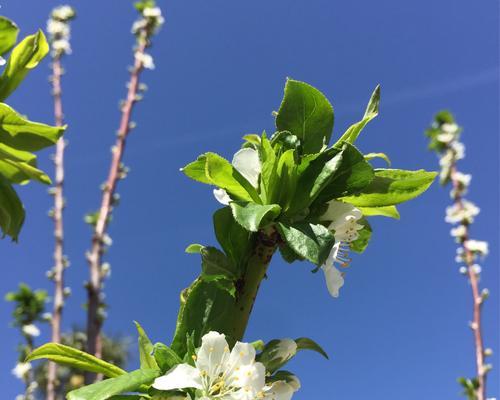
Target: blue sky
[(399, 329)]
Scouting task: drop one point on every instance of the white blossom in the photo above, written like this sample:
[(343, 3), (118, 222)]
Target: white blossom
[(459, 149), (343, 218), (459, 231), (247, 162), (139, 25), (63, 12), (445, 137), (463, 179), (55, 27), (476, 268), (279, 390), (21, 369), (31, 330), (465, 211), (477, 246), (449, 128), (2, 61), (145, 59), (218, 372), (151, 12), (61, 46)]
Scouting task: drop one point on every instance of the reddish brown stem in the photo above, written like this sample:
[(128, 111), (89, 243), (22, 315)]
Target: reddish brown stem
[(476, 296), (94, 257), (59, 263)]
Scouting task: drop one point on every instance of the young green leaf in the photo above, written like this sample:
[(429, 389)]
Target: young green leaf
[(8, 35), (233, 238), (145, 349), (387, 211), (130, 382), (253, 216), (66, 355), (196, 170), (309, 241), (11, 210), (392, 186), (314, 175), (365, 234), (222, 174), (309, 344), (194, 248), (165, 357), (352, 175), (383, 156), (306, 113), (21, 134), (24, 57), (371, 112)]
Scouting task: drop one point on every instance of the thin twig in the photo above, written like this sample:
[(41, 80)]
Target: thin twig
[(94, 257), (59, 262), (476, 295)]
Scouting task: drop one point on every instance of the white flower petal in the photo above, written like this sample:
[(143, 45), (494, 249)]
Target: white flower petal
[(334, 279), (251, 379), (179, 377), (213, 353), (221, 196), (247, 162), (279, 391)]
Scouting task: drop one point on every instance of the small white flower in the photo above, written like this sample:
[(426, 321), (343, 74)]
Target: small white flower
[(247, 162), (55, 27), (139, 25), (31, 330), (477, 246), (2, 61), (459, 231), (463, 212), (151, 12), (463, 179), (63, 12), (21, 369), (476, 268), (61, 46), (145, 59), (218, 372), (445, 137), (449, 128), (459, 149), (463, 270), (334, 279), (279, 390)]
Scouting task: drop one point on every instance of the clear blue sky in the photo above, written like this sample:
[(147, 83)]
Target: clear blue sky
[(399, 329)]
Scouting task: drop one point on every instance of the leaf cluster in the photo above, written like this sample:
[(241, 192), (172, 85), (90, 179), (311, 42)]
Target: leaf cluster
[(19, 137)]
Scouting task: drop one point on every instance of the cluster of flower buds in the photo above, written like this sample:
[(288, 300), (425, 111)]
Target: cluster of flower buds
[(149, 22), (59, 30)]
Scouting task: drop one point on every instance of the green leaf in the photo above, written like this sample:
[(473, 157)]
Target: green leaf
[(194, 248), (392, 186), (277, 353), (233, 238), (165, 357), (204, 308), (365, 234), (11, 210), (309, 241), (21, 134), (75, 358), (21, 172), (129, 382), (145, 349), (314, 175), (288, 254), (387, 211), (309, 344), (371, 156), (8, 35), (253, 216), (306, 113), (371, 112), (214, 262), (196, 170), (252, 138), (222, 174), (285, 183), (353, 174), (24, 57), (268, 174)]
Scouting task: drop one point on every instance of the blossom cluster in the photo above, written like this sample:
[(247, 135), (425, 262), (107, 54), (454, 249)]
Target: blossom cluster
[(221, 373), (59, 30), (342, 219), (149, 22)]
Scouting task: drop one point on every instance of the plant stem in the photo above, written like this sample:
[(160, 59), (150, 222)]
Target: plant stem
[(59, 263), (476, 296), (94, 257)]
